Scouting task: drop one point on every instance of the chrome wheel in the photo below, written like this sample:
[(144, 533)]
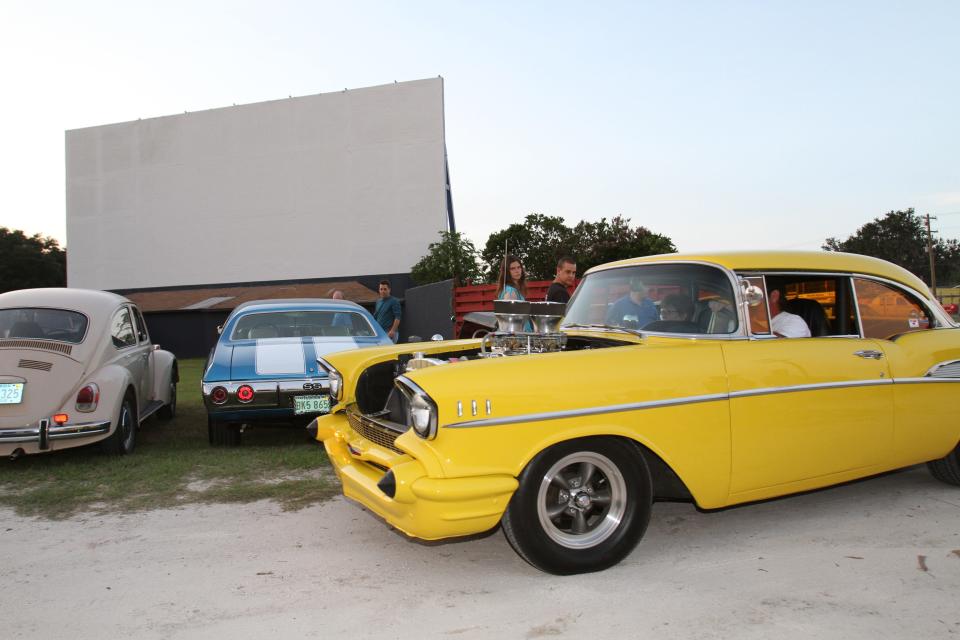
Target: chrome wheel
[(582, 500)]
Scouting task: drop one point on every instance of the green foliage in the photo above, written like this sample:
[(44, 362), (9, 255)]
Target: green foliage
[(453, 257), (900, 237), (27, 262), (541, 240)]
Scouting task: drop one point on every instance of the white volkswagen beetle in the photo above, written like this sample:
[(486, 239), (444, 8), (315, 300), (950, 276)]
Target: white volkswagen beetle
[(77, 367)]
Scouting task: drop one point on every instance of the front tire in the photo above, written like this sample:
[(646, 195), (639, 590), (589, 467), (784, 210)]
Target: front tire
[(582, 506), (947, 468)]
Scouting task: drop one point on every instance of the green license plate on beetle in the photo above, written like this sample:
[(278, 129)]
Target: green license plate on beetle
[(311, 404)]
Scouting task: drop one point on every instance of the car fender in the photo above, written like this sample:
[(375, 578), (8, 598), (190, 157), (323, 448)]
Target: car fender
[(164, 371), (114, 381)]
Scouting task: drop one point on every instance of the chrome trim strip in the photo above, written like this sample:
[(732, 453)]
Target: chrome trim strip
[(573, 413), (656, 404), (925, 380), (817, 386)]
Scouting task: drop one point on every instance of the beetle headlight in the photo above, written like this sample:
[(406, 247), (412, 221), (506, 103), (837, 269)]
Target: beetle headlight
[(422, 412), (333, 378)]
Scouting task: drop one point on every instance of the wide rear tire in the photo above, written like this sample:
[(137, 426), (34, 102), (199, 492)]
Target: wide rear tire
[(947, 468), (223, 434), (169, 410), (123, 440), (582, 506)]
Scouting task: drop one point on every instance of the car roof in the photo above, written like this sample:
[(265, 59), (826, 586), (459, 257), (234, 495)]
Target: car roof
[(297, 304), (767, 261), (89, 301)]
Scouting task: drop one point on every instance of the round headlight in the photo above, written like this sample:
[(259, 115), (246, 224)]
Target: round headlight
[(423, 417), (336, 384)]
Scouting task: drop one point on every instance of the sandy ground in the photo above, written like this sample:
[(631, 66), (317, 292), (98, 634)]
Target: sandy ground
[(875, 559)]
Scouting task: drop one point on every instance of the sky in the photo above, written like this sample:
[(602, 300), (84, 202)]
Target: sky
[(722, 125)]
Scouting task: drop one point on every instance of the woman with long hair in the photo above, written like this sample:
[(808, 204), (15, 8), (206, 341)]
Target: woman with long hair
[(513, 280)]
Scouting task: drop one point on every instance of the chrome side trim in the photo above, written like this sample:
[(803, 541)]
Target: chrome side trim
[(573, 413), (817, 386), (926, 380), (672, 402)]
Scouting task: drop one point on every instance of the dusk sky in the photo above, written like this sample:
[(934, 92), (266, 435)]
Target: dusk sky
[(723, 125)]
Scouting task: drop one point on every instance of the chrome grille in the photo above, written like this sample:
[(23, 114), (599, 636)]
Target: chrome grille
[(373, 431), (65, 349), (36, 364)]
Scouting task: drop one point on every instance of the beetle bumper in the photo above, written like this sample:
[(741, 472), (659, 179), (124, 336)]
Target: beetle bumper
[(37, 437)]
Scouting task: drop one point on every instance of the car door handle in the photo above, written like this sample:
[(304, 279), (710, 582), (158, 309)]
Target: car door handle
[(869, 353)]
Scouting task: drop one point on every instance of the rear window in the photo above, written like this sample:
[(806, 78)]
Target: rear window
[(302, 324), (43, 324)]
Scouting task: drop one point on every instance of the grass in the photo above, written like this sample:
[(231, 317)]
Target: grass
[(173, 465)]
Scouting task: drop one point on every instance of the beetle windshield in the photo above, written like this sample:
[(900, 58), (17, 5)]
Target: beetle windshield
[(43, 324), (302, 324), (668, 298)]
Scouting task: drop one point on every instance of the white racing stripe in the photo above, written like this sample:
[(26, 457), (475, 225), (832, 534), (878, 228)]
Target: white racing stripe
[(275, 357), (323, 346)]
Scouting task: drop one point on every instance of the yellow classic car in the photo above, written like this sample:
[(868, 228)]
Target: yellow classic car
[(671, 377)]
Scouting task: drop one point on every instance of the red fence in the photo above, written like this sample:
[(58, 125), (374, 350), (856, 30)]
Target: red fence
[(479, 297)]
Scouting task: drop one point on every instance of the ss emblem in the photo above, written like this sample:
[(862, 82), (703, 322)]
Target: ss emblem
[(312, 386)]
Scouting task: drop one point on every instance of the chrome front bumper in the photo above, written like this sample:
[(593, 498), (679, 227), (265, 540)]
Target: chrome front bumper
[(46, 430)]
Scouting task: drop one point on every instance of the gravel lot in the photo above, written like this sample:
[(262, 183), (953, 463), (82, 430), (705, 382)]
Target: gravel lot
[(874, 559)]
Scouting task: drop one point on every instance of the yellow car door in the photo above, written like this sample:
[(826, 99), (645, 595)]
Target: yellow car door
[(806, 412)]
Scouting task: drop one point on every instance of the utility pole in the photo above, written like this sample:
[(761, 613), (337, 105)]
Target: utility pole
[(933, 271)]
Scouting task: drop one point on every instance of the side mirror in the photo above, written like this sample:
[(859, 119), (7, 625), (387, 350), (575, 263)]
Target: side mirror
[(219, 329), (752, 294)]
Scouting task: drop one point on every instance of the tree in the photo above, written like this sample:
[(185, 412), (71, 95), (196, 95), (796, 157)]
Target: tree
[(453, 257), (602, 242), (541, 240), (27, 262), (900, 237)]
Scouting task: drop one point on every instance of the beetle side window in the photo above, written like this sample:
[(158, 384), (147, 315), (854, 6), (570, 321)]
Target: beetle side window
[(886, 311), (142, 334), (121, 329)]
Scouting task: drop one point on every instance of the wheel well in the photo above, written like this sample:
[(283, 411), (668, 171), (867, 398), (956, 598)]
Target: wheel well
[(176, 373), (667, 485)]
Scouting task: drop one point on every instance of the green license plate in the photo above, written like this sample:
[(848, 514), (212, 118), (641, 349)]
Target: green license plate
[(11, 393), (311, 404)]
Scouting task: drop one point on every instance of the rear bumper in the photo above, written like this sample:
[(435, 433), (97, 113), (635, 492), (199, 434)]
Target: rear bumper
[(421, 507), (272, 399), (36, 438)]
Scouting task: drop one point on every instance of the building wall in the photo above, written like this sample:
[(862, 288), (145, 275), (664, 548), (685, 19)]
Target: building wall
[(346, 183)]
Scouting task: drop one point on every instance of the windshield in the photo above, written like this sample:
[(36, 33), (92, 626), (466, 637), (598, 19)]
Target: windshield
[(43, 324), (302, 324), (669, 298)]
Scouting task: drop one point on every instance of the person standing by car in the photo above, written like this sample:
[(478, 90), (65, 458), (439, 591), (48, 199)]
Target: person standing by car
[(339, 319), (387, 311), (559, 290), (512, 284)]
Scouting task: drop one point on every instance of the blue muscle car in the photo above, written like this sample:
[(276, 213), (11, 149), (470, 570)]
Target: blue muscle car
[(264, 367)]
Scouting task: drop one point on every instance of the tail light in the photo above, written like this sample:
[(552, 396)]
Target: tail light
[(218, 395), (88, 397), (60, 418), (245, 393)]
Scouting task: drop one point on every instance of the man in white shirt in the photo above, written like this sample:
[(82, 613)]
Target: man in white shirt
[(783, 323)]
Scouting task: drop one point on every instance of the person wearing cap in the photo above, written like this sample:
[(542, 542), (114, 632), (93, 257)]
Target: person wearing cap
[(633, 310)]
